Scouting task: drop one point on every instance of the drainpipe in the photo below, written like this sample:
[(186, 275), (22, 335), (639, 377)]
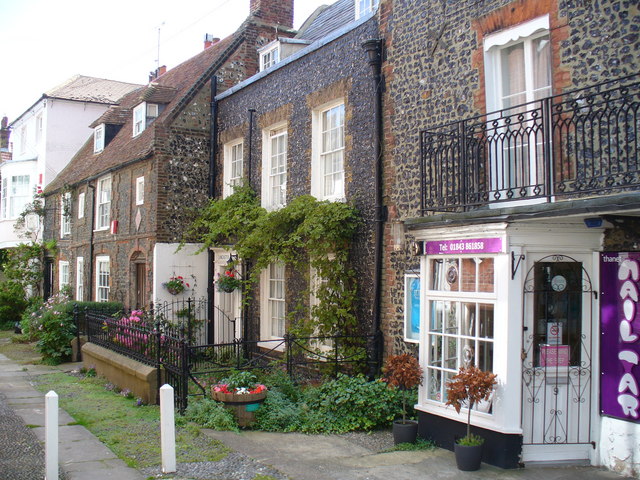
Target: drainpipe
[(251, 112), (212, 182), (93, 218), (373, 48)]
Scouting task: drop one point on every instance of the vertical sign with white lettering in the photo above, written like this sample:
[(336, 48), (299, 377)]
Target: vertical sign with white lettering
[(620, 329)]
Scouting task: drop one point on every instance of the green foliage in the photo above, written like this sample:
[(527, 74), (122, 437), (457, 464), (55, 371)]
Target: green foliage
[(304, 233), (279, 413), (419, 444), (29, 223), (240, 379), (24, 265), (56, 329), (349, 403), (281, 381), (210, 414), (13, 302), (470, 440)]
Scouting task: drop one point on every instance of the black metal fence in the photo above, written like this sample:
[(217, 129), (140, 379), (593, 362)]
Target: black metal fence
[(168, 341), (584, 142)]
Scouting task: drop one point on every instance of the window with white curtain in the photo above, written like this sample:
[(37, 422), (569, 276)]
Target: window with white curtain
[(63, 271), (103, 204), (233, 166), (273, 301), (103, 277), (274, 172), (16, 193), (80, 279), (327, 172)]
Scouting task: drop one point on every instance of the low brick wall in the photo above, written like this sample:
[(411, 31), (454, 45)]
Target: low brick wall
[(122, 371)]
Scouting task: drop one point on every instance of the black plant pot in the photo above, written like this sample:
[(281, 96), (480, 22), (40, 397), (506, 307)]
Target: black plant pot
[(405, 432), (468, 458)]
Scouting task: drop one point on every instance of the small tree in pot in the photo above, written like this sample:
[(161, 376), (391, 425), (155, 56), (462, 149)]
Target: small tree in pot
[(403, 372), (466, 389)]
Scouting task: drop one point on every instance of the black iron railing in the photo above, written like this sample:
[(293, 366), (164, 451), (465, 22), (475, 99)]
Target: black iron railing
[(581, 143)]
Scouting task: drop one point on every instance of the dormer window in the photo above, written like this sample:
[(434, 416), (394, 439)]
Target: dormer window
[(269, 55), (143, 116), (363, 7), (98, 138)]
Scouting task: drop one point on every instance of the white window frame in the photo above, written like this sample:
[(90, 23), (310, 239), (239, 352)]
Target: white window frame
[(81, 204), (65, 217), (364, 7), (458, 297), (103, 278), (16, 193), (274, 166), (98, 138), (494, 44), (273, 305), (143, 115), (103, 203), (140, 190), (233, 171), (269, 56), (80, 279), (320, 155), (63, 274)]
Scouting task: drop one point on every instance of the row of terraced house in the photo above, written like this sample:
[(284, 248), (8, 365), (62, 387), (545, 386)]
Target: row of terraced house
[(491, 148)]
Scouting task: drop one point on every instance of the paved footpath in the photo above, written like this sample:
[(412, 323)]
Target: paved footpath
[(81, 455)]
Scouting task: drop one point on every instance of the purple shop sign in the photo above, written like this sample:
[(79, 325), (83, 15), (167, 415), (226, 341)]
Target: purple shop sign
[(620, 330), (467, 245)]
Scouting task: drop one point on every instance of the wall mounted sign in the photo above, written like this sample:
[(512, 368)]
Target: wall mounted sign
[(554, 355), (467, 245), (620, 329)]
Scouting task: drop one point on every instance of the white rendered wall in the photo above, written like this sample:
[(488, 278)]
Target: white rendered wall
[(8, 236), (620, 446), (168, 262)]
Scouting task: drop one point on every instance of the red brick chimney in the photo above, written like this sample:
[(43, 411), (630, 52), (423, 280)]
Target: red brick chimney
[(210, 40), (279, 12)]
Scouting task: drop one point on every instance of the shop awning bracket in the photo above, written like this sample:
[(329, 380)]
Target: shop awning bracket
[(515, 265)]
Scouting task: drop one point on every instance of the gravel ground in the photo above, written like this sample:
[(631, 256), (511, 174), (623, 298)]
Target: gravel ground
[(236, 466)]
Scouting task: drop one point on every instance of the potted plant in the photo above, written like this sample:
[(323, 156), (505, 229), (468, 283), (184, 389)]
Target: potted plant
[(466, 389), (228, 282), (176, 285), (242, 394), (403, 372)]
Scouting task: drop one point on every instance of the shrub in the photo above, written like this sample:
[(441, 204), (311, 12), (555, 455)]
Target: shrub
[(278, 413), (210, 414), (56, 330), (13, 302), (349, 403)]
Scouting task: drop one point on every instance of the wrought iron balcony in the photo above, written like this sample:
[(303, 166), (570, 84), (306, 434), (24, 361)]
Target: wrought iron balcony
[(579, 144)]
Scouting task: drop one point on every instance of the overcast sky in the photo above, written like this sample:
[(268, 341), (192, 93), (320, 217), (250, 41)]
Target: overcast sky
[(44, 42)]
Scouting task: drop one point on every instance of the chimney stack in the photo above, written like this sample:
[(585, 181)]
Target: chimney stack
[(4, 134), (210, 40), (279, 12), (156, 73)]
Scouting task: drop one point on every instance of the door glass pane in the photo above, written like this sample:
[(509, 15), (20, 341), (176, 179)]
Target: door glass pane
[(541, 69), (468, 319), (485, 356), (435, 385), (513, 75), (485, 314), (557, 313), (437, 316), (451, 312), (451, 356), (436, 350)]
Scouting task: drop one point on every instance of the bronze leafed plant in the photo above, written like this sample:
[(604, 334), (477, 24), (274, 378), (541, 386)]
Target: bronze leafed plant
[(468, 387), (404, 372)]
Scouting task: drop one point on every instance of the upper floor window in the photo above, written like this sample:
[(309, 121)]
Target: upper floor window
[(327, 172), (103, 203), (270, 56), (65, 214), (16, 193), (233, 166), (274, 172), (81, 197), (98, 138), (518, 64), (364, 7), (139, 190), (143, 115)]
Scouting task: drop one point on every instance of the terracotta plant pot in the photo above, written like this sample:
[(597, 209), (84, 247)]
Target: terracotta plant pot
[(405, 432), (243, 406), (468, 458)]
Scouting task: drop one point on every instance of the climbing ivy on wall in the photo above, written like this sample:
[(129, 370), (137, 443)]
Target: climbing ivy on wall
[(305, 233)]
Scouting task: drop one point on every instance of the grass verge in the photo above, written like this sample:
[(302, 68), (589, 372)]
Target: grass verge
[(132, 432), (21, 353)]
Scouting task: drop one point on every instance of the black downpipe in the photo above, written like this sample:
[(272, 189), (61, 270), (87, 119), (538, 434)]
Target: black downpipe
[(212, 182), (374, 52), (251, 112), (93, 219)]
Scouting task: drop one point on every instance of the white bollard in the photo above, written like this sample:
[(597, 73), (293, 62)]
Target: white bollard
[(167, 429), (51, 435)]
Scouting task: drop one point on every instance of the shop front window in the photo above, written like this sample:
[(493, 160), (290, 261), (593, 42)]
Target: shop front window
[(460, 309)]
